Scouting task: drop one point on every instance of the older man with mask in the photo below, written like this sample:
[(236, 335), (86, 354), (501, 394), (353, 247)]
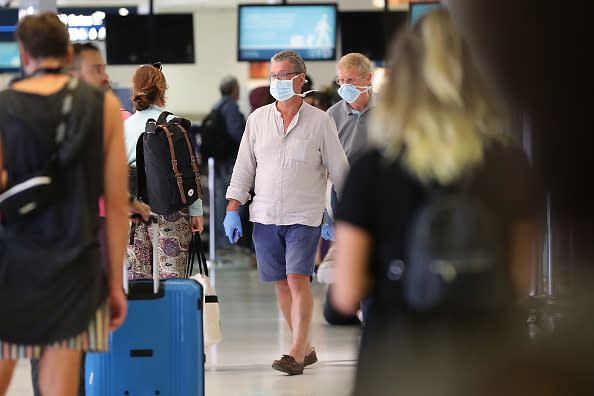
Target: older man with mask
[(352, 112), (290, 148), (353, 73)]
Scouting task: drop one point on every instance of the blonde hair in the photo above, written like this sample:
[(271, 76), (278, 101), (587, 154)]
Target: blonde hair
[(355, 60), (434, 108)]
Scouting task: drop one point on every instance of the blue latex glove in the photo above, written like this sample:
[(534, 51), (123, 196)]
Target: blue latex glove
[(327, 229), (231, 223)]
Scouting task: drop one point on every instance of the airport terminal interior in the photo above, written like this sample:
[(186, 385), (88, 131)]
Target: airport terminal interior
[(200, 42)]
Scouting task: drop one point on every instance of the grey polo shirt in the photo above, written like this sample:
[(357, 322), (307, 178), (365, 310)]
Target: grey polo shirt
[(352, 129)]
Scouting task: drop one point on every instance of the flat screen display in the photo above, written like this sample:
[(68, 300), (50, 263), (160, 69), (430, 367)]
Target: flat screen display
[(418, 9), (10, 60), (136, 39), (308, 29), (369, 32), (9, 57)]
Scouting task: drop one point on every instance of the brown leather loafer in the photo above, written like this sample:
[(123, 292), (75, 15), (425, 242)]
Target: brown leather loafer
[(287, 364), (311, 358)]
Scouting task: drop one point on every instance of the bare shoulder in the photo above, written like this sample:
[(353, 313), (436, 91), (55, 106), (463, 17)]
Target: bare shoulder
[(112, 116), (112, 102)]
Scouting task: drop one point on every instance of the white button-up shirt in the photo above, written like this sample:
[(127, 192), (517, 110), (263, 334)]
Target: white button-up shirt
[(290, 170)]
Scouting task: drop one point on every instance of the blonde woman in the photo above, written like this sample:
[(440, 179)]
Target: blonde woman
[(438, 123)]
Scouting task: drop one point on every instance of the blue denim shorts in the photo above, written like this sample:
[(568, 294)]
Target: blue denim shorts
[(285, 249)]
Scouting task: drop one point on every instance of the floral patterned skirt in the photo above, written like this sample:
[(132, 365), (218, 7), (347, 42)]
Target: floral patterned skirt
[(174, 239)]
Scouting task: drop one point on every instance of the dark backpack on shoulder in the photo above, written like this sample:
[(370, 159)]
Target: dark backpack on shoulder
[(215, 139), (456, 255), (167, 173)]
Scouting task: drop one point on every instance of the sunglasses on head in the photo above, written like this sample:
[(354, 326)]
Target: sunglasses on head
[(158, 65)]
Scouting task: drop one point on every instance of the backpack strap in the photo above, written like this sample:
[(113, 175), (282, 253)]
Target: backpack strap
[(193, 160), (163, 117), (178, 175), (3, 175), (140, 171)]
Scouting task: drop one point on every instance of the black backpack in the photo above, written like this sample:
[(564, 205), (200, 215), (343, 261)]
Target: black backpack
[(456, 255), (215, 140), (167, 173), (45, 187)]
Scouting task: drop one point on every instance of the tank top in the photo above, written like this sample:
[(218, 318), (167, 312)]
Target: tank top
[(51, 276)]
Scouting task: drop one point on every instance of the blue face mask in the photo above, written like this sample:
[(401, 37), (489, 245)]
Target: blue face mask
[(350, 93), (282, 89)]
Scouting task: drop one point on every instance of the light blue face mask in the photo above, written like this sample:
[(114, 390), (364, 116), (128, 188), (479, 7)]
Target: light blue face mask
[(350, 93), (282, 89)]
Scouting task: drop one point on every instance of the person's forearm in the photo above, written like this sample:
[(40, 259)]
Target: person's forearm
[(116, 227), (115, 188), (352, 251), (233, 205)]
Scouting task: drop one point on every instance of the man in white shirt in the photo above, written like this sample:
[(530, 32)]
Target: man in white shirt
[(289, 148)]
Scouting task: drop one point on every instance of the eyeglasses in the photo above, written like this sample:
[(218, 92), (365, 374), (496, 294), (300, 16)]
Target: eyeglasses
[(158, 65), (350, 81), (281, 76)]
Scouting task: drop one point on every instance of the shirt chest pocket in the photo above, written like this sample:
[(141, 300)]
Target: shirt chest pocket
[(302, 150)]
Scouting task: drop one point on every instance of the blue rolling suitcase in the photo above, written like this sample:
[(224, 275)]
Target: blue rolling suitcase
[(159, 349)]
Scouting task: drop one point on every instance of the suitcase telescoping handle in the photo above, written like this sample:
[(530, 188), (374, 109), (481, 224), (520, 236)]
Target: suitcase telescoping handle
[(155, 242)]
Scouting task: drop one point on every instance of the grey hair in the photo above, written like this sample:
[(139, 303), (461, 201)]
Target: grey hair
[(227, 84), (293, 57)]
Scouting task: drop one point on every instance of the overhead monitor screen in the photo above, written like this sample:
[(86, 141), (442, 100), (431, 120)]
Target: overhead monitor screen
[(418, 9), (9, 57), (372, 41), (9, 50), (138, 39), (308, 29)]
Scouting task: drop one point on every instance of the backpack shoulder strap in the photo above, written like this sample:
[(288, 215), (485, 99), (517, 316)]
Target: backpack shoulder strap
[(140, 171), (192, 160), (176, 172), (3, 174), (163, 117)]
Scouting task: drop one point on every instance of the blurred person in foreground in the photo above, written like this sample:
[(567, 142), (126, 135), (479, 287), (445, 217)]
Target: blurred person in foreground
[(67, 305), (88, 65), (441, 125)]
